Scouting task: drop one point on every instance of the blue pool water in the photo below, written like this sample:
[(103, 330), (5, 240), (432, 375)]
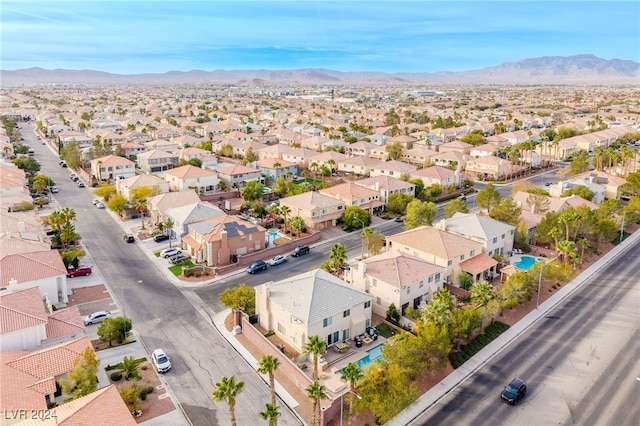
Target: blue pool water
[(372, 354), (527, 262), (273, 234)]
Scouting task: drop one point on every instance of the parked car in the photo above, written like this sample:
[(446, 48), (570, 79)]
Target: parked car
[(80, 271), (300, 250), (168, 252), (95, 201), (100, 206), (80, 184), (51, 232), (277, 260), (64, 165), (160, 238), (53, 189), (160, 361), (128, 238), (259, 265), (398, 219), (73, 176), (96, 317), (514, 391), (177, 259)]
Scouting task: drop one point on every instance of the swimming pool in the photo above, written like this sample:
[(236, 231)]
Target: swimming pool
[(527, 262), (372, 354), (273, 234)]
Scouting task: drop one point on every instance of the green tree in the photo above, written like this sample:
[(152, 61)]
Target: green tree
[(298, 224), (394, 150), (249, 156), (252, 191), (268, 365), (270, 413), (455, 206), (519, 286), (438, 310), (580, 163), (68, 235), (226, 150), (83, 378), (488, 197), (580, 191), (605, 231), (374, 240), (568, 250), (114, 329), (355, 218), (465, 280), (420, 213), (28, 164), (118, 204), (228, 389), (506, 211), (40, 183), (242, 297), (131, 397), (397, 202), (105, 192), (139, 197), (352, 374), (129, 367), (315, 346), (633, 183), (316, 392), (285, 211), (482, 293), (464, 322)]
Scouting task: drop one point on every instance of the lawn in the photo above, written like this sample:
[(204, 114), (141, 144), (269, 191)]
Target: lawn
[(177, 269)]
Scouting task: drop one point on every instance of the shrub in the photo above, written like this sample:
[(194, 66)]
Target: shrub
[(473, 347), (145, 391), (116, 375)]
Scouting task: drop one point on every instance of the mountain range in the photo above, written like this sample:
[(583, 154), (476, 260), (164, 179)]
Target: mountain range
[(556, 70)]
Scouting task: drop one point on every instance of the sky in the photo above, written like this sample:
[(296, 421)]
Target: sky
[(156, 36)]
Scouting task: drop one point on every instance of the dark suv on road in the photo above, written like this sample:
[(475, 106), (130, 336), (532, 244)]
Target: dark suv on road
[(514, 391), (299, 251), (259, 265)]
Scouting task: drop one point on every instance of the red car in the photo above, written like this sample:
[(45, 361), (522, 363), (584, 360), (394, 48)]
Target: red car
[(79, 271)]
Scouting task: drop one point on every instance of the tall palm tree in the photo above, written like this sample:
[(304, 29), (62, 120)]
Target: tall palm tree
[(316, 391), (338, 256), (568, 250), (352, 373), (56, 220), (270, 413), (68, 215), (584, 244), (268, 365), (284, 211), (227, 389), (315, 346)]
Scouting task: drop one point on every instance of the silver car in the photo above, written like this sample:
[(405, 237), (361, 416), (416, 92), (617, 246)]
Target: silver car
[(96, 317)]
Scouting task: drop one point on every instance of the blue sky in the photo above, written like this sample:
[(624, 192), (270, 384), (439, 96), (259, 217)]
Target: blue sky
[(129, 36)]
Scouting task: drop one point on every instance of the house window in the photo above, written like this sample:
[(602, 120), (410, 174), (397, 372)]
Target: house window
[(314, 214), (374, 283), (473, 253), (438, 277), (450, 262), (367, 323), (282, 330), (378, 300), (421, 284), (345, 334), (461, 257), (495, 240), (408, 290), (430, 279), (346, 313), (367, 304), (339, 207), (324, 211), (503, 236), (326, 322)]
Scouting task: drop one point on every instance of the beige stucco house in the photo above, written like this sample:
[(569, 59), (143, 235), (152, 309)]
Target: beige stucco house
[(125, 186), (112, 167), (187, 177), (352, 194), (318, 211)]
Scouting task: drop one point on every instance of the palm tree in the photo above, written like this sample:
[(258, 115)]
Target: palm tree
[(554, 233), (227, 389), (129, 367), (316, 391), (584, 244), (482, 293), (268, 365), (568, 250), (298, 224), (68, 215), (338, 256), (271, 414), (315, 346), (352, 373), (284, 211), (56, 220)]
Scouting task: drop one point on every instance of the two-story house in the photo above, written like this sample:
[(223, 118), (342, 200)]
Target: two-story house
[(496, 237), (387, 185), (112, 167), (352, 194), (124, 187), (393, 168), (186, 177), (272, 168), (313, 303), (318, 211), (358, 165), (438, 175), (156, 161), (236, 175)]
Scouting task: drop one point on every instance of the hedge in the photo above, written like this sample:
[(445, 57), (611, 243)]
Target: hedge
[(473, 347)]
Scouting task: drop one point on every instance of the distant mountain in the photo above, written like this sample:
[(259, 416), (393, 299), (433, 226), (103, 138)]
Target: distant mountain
[(564, 70)]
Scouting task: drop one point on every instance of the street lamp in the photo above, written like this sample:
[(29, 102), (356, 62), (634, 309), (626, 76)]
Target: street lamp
[(342, 402), (624, 213), (362, 235)]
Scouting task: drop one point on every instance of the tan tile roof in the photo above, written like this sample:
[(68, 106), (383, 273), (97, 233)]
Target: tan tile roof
[(33, 266), (270, 161), (396, 166), (169, 200), (388, 183), (113, 160), (478, 263), (310, 200), (399, 269), (237, 169), (436, 242), (21, 309), (189, 172), (350, 191), (436, 172), (360, 160), (140, 180)]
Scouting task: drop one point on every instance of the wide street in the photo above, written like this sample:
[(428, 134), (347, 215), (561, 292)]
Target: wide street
[(580, 362)]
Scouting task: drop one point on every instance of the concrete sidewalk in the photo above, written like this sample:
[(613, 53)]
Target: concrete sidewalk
[(458, 376)]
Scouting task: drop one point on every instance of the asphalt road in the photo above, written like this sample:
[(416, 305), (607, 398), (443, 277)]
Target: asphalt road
[(162, 316), (581, 362)]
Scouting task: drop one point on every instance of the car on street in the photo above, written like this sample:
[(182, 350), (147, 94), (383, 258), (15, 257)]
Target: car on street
[(259, 265), (73, 176), (64, 165), (39, 138), (160, 238), (80, 271), (53, 189), (277, 260), (96, 317), (80, 184), (128, 238), (179, 258), (160, 361), (95, 201), (514, 391), (299, 251), (398, 219), (168, 252), (100, 205)]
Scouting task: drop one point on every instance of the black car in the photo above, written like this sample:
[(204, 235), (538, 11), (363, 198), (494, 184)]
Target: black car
[(259, 265), (128, 238), (514, 391), (160, 238), (299, 251)]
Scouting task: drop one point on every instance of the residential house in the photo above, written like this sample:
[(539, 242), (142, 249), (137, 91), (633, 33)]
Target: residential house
[(220, 240), (300, 156), (396, 278), (418, 155), (318, 211), (64, 138), (360, 149), (330, 159), (379, 153), (612, 184), (393, 168), (313, 303), (126, 187), (160, 204), (272, 168), (497, 237), (187, 177), (185, 215), (387, 185), (314, 142), (132, 149), (453, 160), (156, 161), (444, 249), (162, 145), (274, 151), (358, 165), (488, 168), (438, 175), (407, 142), (236, 175), (352, 194), (29, 323), (112, 167), (483, 150), (192, 153)]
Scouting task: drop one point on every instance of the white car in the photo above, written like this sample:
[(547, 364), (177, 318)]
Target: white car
[(100, 205), (168, 252), (96, 317), (277, 260), (95, 201), (160, 361)]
